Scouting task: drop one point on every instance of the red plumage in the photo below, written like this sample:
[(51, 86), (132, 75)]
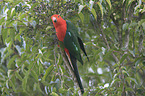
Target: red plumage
[(60, 28)]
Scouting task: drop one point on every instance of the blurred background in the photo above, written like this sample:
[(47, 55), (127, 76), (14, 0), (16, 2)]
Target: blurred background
[(113, 33)]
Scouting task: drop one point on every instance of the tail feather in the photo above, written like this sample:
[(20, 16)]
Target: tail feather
[(76, 72), (82, 47)]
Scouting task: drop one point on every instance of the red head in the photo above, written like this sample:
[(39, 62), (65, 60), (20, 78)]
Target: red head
[(60, 26), (57, 20)]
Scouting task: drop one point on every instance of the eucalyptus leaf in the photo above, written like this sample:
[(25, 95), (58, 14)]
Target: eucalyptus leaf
[(81, 8), (81, 16), (109, 2)]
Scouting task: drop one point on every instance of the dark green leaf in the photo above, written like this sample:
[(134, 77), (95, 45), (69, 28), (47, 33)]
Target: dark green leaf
[(18, 75), (81, 8), (101, 8), (34, 74), (131, 79), (114, 81), (123, 58), (81, 16), (108, 1), (12, 85), (49, 69)]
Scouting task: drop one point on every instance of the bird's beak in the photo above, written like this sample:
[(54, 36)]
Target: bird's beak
[(54, 19)]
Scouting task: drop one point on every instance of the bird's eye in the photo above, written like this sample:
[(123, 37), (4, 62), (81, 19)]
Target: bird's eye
[(58, 16)]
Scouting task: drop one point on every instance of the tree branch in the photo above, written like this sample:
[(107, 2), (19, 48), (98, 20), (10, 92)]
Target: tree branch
[(107, 44)]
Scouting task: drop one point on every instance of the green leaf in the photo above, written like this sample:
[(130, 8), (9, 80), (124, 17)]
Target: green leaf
[(114, 81), (81, 8), (99, 91), (62, 70), (48, 27), (38, 87), (86, 93), (7, 84), (93, 12), (131, 79), (8, 13), (9, 73), (129, 89), (101, 8), (108, 1), (54, 94), (123, 1), (11, 61), (24, 82), (34, 5), (132, 52), (133, 24), (2, 70), (2, 20), (125, 26), (81, 16), (12, 85), (60, 60), (4, 34), (33, 23), (2, 79), (13, 12), (18, 76), (91, 3), (137, 60), (125, 72), (123, 58), (23, 15), (115, 75), (143, 25), (34, 74), (130, 1), (18, 49), (139, 2), (141, 21), (143, 10), (35, 87), (15, 26), (18, 37), (49, 69), (108, 55)]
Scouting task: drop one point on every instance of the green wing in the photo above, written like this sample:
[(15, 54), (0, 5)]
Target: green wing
[(73, 30), (71, 42)]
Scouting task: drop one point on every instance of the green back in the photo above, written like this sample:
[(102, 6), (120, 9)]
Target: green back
[(72, 27), (71, 41)]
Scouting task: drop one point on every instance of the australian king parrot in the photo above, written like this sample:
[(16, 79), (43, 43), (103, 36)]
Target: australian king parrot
[(68, 34)]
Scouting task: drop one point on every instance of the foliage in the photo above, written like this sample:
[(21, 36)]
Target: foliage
[(113, 32)]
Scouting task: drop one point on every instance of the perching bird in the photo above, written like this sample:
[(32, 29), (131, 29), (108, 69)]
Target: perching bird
[(68, 34)]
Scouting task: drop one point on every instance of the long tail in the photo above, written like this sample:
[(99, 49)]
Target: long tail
[(82, 47), (76, 72)]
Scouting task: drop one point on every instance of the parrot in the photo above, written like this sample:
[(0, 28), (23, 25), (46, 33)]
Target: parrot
[(67, 33)]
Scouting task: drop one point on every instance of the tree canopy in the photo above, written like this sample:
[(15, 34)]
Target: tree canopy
[(113, 32)]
